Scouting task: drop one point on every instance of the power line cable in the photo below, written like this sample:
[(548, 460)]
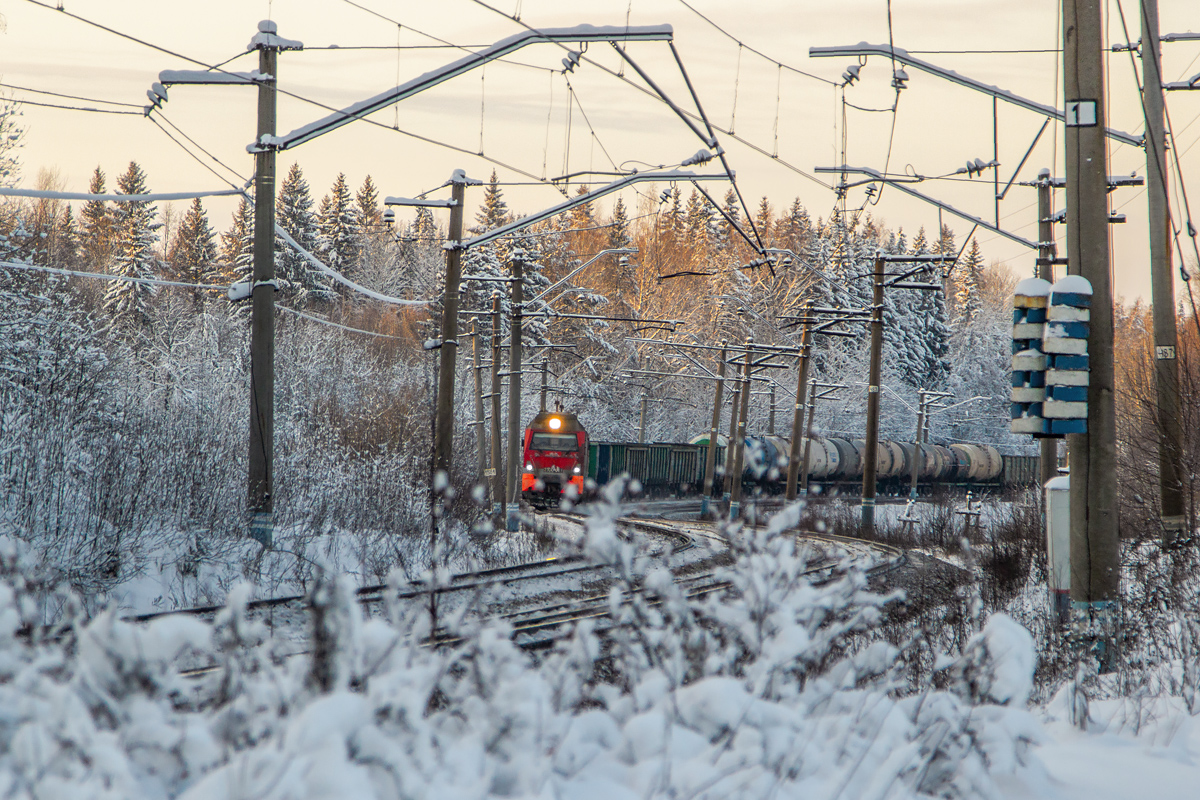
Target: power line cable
[(69, 96), (80, 108)]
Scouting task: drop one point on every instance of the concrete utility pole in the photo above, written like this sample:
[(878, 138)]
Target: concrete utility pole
[(771, 416), (872, 442), (514, 392), (542, 398), (499, 484), (730, 446), (918, 449), (1095, 542), (794, 460), (1047, 252), (710, 457), (443, 432), (735, 491), (1162, 282), (480, 420), (642, 422), (262, 314)]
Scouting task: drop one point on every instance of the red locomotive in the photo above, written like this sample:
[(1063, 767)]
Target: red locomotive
[(553, 456)]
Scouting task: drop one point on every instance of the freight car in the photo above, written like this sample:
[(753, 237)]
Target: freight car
[(833, 465)]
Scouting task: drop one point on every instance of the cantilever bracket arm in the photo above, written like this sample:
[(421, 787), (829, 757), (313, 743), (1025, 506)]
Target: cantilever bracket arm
[(944, 206), (578, 33), (902, 56), (580, 199)]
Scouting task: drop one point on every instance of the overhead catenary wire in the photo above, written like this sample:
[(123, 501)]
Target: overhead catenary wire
[(294, 95), (107, 277), (756, 52)]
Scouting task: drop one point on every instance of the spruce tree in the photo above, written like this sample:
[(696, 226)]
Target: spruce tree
[(237, 251), (338, 223), (193, 254), (96, 227), (494, 211), (967, 302), (135, 231), (763, 221), (370, 218), (618, 232), (298, 279)]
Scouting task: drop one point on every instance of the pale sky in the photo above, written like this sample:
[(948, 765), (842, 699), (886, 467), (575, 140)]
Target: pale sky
[(519, 113)]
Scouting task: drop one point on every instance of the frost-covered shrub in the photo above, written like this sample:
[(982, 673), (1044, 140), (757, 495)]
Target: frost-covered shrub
[(759, 681)]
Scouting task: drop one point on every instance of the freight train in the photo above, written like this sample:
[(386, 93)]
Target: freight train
[(558, 455)]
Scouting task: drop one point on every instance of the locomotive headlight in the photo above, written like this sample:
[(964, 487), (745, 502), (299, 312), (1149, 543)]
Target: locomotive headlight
[(529, 467), (555, 423), (576, 469)]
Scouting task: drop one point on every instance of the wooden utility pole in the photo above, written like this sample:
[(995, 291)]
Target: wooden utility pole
[(1162, 282), (443, 434), (514, 392), (710, 456), (735, 491), (1095, 541), (794, 460), (872, 442), (262, 314), (499, 484), (480, 420), (1047, 251)]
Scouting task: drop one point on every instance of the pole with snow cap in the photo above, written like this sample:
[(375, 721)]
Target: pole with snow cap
[(262, 314)]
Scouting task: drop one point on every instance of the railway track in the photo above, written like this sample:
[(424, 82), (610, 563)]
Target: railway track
[(539, 626)]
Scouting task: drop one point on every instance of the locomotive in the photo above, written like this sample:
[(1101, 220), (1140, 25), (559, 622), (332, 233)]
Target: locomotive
[(554, 456)]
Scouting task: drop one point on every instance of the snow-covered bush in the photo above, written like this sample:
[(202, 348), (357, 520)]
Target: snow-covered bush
[(758, 681)]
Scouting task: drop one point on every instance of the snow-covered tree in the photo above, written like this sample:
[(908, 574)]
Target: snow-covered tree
[(339, 227), (966, 285), (96, 226), (237, 250), (135, 232), (618, 231), (193, 253), (299, 281), (493, 212)]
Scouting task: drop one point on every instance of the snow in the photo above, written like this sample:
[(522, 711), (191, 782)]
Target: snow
[(1033, 287), (204, 76), (337, 276), (115, 198), (1072, 284)]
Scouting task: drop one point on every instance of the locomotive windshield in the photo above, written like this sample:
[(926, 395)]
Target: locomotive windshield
[(554, 441)]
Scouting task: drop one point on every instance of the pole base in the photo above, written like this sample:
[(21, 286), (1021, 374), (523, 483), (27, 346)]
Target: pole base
[(868, 514), (1094, 630), (513, 523), (262, 527)]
